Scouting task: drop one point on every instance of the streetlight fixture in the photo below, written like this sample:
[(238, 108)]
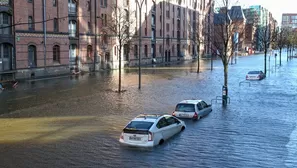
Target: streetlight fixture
[(139, 5)]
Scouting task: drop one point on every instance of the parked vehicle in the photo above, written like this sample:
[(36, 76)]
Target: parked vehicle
[(150, 130), (255, 75), (194, 109)]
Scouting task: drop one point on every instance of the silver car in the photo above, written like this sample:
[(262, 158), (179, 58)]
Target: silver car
[(150, 130), (255, 75), (194, 109)]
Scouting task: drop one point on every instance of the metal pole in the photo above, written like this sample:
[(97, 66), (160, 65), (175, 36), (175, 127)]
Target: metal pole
[(139, 53), (44, 32), (95, 51)]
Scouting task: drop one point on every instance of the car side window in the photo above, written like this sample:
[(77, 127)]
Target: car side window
[(162, 123), (171, 120), (199, 106), (204, 105)]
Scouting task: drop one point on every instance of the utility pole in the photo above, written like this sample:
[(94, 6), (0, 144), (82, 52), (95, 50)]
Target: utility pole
[(139, 47), (95, 51), (44, 33)]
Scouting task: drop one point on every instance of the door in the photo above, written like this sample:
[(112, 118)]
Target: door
[(5, 57), (201, 110), (166, 56), (32, 61), (162, 125), (206, 108), (174, 125)]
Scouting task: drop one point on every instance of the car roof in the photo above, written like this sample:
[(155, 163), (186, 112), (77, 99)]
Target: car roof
[(148, 117), (193, 101)]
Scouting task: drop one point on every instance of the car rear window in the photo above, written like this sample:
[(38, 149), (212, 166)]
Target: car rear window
[(185, 107), (139, 125), (254, 72)]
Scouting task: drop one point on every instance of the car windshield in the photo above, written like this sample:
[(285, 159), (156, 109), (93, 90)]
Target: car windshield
[(139, 125), (185, 107), (254, 72)]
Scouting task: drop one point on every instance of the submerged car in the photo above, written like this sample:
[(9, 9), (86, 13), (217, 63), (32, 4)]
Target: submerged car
[(150, 130), (255, 75), (194, 109)]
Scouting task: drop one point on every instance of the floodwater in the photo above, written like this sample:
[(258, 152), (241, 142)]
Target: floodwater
[(77, 122)]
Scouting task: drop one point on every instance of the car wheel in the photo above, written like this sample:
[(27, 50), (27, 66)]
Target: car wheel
[(161, 142), (183, 128)]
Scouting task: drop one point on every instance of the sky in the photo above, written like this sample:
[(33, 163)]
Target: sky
[(277, 8)]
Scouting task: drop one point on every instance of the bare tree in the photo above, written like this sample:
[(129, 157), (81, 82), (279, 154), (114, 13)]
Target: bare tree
[(118, 25), (196, 36), (265, 37), (224, 38), (282, 39)]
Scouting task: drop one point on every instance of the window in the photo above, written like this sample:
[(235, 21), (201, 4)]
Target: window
[(160, 49), (5, 51), (89, 52), (54, 2), (89, 27), (162, 123), (139, 125), (199, 106), (56, 53), (30, 23), (182, 107), (5, 18), (89, 5), (103, 3), (145, 51), (56, 25), (30, 1), (135, 51), (204, 105), (171, 120), (104, 19)]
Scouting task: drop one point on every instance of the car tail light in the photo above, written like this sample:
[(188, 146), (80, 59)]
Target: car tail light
[(195, 115), (173, 113), (246, 76), (150, 136), (122, 136), (259, 76)]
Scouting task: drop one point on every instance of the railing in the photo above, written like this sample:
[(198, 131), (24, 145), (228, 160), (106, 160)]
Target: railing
[(220, 98), (72, 33)]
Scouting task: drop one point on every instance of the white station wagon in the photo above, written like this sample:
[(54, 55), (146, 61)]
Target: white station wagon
[(150, 130), (194, 109)]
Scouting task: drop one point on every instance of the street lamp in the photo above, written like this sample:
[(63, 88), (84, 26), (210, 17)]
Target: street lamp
[(139, 5)]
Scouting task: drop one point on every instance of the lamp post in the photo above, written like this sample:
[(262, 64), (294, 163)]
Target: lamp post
[(95, 52), (139, 5)]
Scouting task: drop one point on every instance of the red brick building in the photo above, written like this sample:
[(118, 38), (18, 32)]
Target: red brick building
[(59, 36)]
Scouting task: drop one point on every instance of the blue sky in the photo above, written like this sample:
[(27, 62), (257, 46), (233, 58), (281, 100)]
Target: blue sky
[(275, 7)]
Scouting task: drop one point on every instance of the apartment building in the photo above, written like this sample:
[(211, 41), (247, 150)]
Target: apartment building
[(289, 20)]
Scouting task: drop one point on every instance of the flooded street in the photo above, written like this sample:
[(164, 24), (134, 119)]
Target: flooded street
[(77, 122)]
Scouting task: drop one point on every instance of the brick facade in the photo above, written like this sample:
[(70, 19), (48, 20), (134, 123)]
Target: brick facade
[(77, 44)]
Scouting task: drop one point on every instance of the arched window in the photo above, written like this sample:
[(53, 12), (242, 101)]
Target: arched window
[(89, 52), (56, 53), (32, 60)]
